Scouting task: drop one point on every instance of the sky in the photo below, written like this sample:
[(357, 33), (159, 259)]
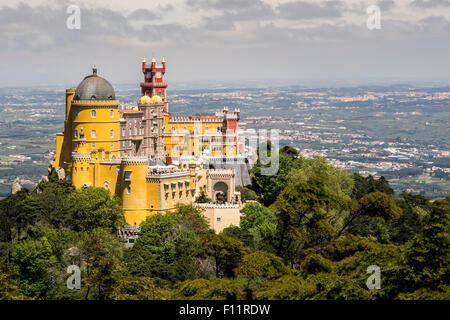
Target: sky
[(242, 41)]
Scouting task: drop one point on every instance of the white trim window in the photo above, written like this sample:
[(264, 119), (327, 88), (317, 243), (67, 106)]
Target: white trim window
[(93, 114), (111, 113), (93, 134)]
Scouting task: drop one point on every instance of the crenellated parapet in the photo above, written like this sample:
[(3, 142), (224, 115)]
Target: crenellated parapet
[(218, 205), (134, 160), (221, 173), (81, 156), (96, 103)]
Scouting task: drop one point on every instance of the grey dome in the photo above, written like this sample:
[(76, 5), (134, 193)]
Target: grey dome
[(94, 87)]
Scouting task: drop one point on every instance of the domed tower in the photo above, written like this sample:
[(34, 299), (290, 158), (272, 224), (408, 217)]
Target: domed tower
[(95, 116)]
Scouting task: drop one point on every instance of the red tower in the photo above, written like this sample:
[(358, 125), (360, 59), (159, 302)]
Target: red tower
[(154, 80)]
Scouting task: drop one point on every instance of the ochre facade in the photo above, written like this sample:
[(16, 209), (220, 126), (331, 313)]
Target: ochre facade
[(148, 158)]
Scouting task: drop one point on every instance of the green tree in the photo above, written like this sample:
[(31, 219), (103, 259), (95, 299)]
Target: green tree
[(13, 219), (268, 187), (169, 247), (260, 223), (93, 208), (372, 205), (305, 212), (415, 211), (203, 197), (212, 289), (246, 193), (101, 253), (153, 253), (314, 264), (262, 266), (227, 253), (33, 261), (428, 255), (366, 185), (336, 179), (9, 285)]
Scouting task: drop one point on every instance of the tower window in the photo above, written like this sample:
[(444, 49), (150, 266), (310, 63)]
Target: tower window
[(76, 114), (93, 114), (94, 134), (93, 145), (111, 133), (111, 113), (129, 190), (75, 133), (106, 185), (112, 145)]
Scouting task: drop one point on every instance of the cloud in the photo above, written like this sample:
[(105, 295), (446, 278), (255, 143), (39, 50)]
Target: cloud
[(143, 14), (430, 3), (225, 5), (386, 4), (213, 33), (306, 10)]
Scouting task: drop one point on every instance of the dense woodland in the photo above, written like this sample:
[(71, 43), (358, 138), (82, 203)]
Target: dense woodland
[(308, 232)]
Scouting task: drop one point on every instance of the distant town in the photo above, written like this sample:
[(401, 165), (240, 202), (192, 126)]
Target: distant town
[(399, 132)]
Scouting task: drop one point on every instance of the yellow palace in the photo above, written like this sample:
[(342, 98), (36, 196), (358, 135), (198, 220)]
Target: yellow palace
[(153, 161)]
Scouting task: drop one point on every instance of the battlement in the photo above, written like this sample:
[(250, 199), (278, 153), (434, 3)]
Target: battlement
[(134, 160), (95, 102), (221, 172), (81, 156), (218, 205)]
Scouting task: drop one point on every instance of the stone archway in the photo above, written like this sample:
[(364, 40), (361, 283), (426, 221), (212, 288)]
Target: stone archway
[(220, 192)]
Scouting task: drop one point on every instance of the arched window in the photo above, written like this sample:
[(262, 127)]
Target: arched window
[(93, 114), (111, 133), (111, 113), (106, 185)]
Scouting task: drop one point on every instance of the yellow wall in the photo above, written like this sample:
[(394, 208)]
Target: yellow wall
[(227, 216), (211, 139), (103, 123)]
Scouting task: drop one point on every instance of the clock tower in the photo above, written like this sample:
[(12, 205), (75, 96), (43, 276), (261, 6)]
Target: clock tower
[(154, 84)]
